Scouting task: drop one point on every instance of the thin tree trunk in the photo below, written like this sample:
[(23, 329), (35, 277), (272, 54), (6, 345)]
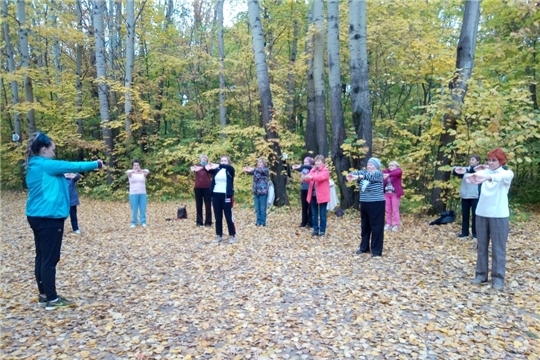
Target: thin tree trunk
[(78, 80), (221, 48), (11, 68), (341, 162), (56, 45), (361, 110), (458, 89), (25, 55), (98, 10), (278, 177), (310, 136), (318, 78), (291, 101), (130, 61)]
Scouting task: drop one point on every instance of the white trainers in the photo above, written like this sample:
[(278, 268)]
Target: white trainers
[(232, 240), (133, 225), (218, 239), (143, 225), (395, 228), (77, 231), (387, 227)]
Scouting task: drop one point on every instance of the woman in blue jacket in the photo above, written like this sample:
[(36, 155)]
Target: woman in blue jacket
[(47, 208)]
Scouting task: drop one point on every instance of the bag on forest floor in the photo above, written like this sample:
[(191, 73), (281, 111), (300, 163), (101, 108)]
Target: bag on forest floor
[(445, 218), (181, 213)]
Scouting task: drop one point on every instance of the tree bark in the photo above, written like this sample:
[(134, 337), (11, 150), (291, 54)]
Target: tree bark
[(11, 67), (278, 176), (130, 61), (221, 49), (458, 89), (318, 78), (311, 130), (360, 103), (291, 100), (25, 60), (341, 162), (98, 10)]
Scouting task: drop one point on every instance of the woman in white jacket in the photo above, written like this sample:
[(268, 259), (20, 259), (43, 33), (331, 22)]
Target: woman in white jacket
[(492, 214)]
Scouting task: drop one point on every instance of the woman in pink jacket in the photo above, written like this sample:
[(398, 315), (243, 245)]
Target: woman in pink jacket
[(318, 194), (393, 191)]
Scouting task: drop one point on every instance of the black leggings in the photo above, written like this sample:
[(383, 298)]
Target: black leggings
[(223, 205), (48, 235)]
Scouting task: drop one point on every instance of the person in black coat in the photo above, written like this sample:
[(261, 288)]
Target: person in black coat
[(223, 196)]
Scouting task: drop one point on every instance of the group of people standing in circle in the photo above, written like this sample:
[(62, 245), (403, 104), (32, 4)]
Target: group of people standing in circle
[(52, 197)]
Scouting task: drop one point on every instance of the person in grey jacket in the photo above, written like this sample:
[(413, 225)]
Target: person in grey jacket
[(72, 178), (469, 194)]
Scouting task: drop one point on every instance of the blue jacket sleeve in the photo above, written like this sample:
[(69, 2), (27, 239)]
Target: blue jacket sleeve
[(60, 167)]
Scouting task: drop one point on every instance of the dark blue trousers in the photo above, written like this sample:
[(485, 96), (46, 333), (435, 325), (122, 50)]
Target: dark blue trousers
[(48, 235), (372, 217)]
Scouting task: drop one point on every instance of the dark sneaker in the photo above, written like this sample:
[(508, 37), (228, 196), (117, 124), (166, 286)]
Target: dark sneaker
[(361, 252), (42, 301), (59, 303), (314, 233), (460, 236)]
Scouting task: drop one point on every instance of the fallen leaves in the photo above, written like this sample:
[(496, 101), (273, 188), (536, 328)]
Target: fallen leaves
[(168, 292)]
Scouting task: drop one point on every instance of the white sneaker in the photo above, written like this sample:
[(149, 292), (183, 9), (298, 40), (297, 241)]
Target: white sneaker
[(232, 240), (77, 231), (133, 225), (218, 239), (387, 227), (143, 225), (395, 228)]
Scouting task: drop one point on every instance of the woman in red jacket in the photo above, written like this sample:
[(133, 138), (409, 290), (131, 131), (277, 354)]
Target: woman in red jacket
[(318, 194), (393, 191)]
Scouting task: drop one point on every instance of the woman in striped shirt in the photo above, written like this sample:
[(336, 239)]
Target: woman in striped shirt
[(372, 206)]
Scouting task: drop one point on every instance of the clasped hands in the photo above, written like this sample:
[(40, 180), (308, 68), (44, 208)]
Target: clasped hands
[(477, 179)]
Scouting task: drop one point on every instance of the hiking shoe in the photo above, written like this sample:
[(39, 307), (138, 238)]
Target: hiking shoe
[(77, 231), (387, 227), (395, 228), (478, 280), (42, 301), (232, 240), (59, 303), (218, 239)]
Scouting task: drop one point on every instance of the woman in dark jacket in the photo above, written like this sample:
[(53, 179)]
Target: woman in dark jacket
[(223, 196), (260, 189), (306, 208), (202, 190)]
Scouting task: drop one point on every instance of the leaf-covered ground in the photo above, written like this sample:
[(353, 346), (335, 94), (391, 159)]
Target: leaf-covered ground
[(169, 292)]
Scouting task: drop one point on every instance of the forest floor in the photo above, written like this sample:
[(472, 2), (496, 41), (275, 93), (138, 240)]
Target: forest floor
[(168, 292)]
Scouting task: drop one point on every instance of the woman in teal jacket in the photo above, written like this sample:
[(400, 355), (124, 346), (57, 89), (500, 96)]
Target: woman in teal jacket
[(47, 208)]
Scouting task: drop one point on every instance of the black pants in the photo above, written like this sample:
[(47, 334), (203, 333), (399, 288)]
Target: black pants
[(48, 235), (306, 209), (73, 217), (203, 195), (223, 206), (466, 206), (372, 217)]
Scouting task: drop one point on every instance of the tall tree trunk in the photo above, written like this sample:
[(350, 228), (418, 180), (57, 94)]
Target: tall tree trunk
[(11, 67), (458, 89), (221, 49), (78, 80), (56, 45), (361, 110), (114, 23), (291, 100), (341, 162), (311, 129), (318, 78), (25, 60), (130, 61), (103, 91), (278, 177)]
